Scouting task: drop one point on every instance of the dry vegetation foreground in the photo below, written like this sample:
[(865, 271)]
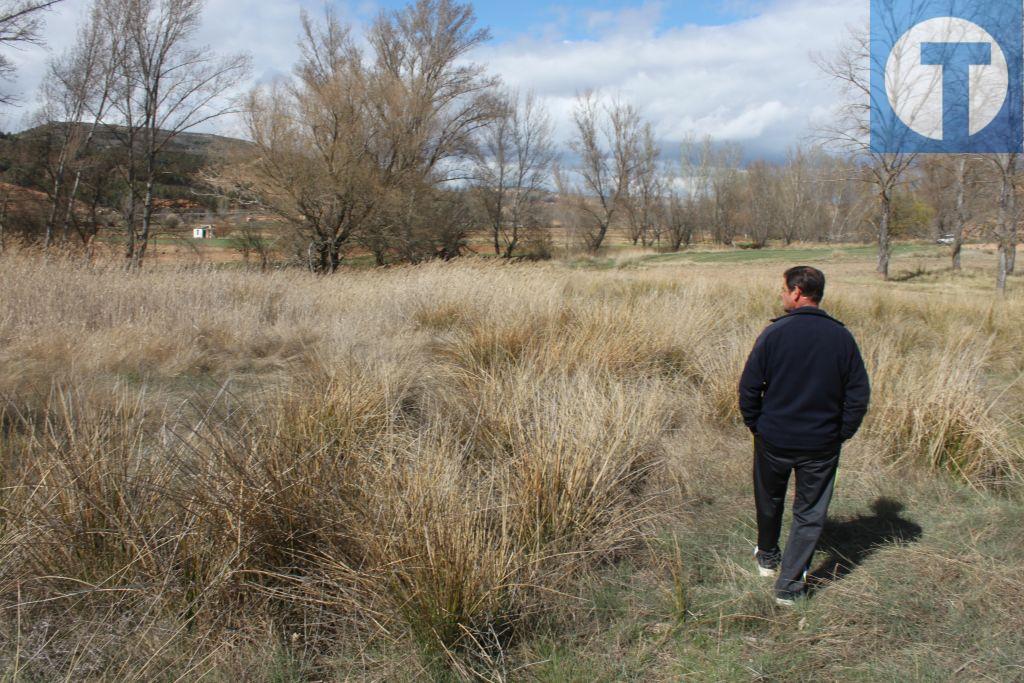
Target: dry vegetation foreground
[(487, 471)]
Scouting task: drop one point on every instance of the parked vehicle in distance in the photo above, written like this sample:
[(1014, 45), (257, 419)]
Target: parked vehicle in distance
[(946, 239)]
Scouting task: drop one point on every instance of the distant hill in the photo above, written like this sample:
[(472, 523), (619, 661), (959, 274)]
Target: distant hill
[(193, 144), (22, 158)]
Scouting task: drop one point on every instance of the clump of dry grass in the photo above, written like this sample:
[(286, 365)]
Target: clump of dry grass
[(937, 415), (432, 455)]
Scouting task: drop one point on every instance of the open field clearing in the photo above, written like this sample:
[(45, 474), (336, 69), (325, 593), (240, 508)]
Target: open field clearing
[(492, 471)]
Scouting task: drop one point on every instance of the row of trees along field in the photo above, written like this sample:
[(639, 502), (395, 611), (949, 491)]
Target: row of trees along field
[(393, 144)]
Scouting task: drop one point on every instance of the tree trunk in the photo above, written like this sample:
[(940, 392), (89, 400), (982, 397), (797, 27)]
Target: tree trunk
[(677, 242), (323, 257), (3, 220), (130, 247), (78, 175), (131, 179), (512, 244), (1011, 228), (335, 256), (596, 243), (1007, 223), (1011, 249), (958, 244), (51, 221), (1001, 276), (497, 227), (147, 218), (884, 248), (66, 223), (130, 223), (961, 214), (58, 185)]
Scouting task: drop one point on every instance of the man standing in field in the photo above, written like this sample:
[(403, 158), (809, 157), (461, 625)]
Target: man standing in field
[(804, 391)]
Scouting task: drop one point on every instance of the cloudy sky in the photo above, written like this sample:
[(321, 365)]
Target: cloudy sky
[(739, 70)]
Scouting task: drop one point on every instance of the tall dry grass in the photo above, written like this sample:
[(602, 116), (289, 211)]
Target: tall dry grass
[(427, 460)]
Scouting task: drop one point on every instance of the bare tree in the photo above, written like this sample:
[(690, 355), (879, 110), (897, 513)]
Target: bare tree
[(248, 240), (796, 188), (164, 86), (76, 95), (961, 183), (429, 103), (345, 146), (1006, 225), (948, 184), (513, 163), (763, 193), (315, 166), (850, 68), (696, 166), (726, 191), (644, 191), (686, 204), (607, 142), (680, 216), (712, 176), (840, 200), (431, 100), (21, 22)]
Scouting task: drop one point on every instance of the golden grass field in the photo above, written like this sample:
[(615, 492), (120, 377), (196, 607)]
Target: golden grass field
[(485, 471)]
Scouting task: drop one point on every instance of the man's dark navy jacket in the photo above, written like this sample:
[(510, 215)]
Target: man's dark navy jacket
[(804, 387)]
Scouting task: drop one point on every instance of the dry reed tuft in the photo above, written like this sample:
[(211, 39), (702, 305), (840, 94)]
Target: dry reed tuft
[(432, 455)]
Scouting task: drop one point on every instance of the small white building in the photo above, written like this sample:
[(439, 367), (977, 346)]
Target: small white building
[(203, 232)]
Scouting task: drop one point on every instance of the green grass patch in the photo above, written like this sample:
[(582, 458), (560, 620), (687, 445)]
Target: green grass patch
[(915, 608), (806, 254)]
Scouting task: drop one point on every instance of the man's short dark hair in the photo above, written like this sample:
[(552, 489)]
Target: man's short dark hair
[(811, 282)]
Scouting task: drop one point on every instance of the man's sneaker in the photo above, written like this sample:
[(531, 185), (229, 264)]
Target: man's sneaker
[(767, 563), (788, 598)]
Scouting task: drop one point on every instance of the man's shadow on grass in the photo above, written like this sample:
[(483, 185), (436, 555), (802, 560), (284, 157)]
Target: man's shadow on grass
[(849, 543)]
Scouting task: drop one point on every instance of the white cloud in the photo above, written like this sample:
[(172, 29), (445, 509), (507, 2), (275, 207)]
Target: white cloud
[(267, 30), (30, 61), (751, 81)]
